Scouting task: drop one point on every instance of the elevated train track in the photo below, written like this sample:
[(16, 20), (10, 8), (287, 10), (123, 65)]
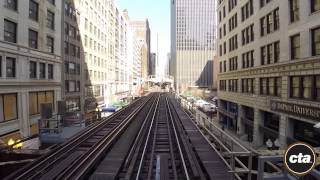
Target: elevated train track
[(146, 140)]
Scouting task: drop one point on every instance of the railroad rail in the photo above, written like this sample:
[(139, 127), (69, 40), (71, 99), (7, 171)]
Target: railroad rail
[(82, 146), (151, 139)]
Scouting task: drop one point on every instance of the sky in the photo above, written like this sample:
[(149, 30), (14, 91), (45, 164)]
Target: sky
[(158, 14)]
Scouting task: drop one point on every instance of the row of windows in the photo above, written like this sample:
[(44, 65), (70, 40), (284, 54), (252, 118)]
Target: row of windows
[(94, 30), (72, 86), (95, 61), (223, 67), (247, 35), (270, 86), (270, 53), (233, 85), (95, 45), (247, 59), (10, 35), (38, 98), (71, 49), (223, 85), (13, 4), (248, 85), (70, 11), (10, 67), (264, 2), (305, 87), (302, 87), (232, 4), (233, 22), (71, 31), (270, 22), (72, 68), (233, 63), (44, 69), (233, 43), (9, 104), (247, 10)]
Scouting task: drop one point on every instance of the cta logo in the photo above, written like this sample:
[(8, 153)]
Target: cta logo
[(300, 158)]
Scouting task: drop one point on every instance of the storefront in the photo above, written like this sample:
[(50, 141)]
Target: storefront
[(301, 128), (247, 120), (270, 127), (228, 113)]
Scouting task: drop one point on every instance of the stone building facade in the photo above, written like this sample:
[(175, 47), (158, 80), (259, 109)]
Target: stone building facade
[(269, 70), (30, 63)]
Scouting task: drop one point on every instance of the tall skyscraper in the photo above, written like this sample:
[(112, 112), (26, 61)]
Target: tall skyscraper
[(141, 32), (192, 42)]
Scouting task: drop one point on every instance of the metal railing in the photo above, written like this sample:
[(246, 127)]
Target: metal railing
[(237, 157)]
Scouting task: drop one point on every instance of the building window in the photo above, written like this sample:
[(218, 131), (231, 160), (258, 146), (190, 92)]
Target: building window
[(315, 5), (72, 50), (10, 31), (269, 23), (223, 85), (8, 107), (12, 4), (10, 67), (38, 98), (33, 39), (247, 85), (233, 43), (270, 86), (51, 2), (233, 63), (305, 87), (33, 10), (42, 70), (247, 35), (264, 2), (294, 10), (233, 85), (50, 19), (232, 4), (233, 22), (295, 46), (247, 59), (50, 44), (33, 69), (247, 10), (270, 53), (315, 41), (50, 71)]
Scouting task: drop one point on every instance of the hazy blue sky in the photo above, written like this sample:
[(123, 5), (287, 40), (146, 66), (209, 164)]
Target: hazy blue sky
[(158, 13)]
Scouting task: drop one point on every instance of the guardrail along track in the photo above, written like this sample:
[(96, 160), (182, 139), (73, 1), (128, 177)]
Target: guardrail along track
[(70, 155)]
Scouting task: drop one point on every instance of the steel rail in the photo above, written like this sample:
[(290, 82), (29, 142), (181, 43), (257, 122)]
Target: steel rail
[(79, 170), (147, 140), (178, 143), (38, 166)]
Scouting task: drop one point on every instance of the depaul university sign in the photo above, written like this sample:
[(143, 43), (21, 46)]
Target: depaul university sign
[(296, 109)]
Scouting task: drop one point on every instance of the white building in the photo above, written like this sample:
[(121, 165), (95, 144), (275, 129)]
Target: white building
[(30, 63), (269, 70)]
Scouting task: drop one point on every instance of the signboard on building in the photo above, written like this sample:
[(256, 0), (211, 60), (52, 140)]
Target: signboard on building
[(308, 112)]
